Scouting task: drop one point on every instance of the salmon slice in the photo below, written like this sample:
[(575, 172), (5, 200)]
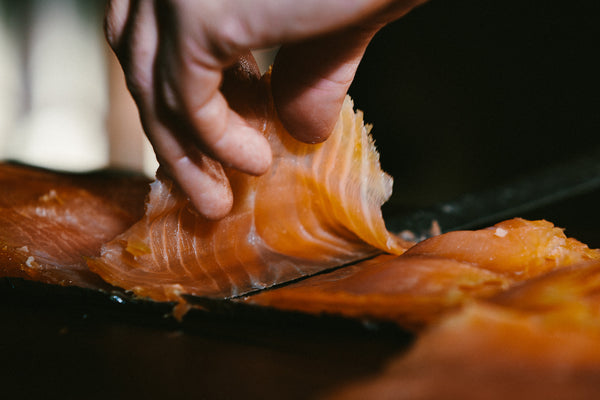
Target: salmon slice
[(49, 222), (317, 207), (537, 340), (438, 274)]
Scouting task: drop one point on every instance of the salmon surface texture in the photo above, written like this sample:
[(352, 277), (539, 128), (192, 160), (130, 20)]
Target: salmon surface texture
[(317, 207), (434, 276), (50, 222), (538, 340)]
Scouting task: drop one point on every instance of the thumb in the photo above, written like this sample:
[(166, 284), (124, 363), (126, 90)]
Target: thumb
[(310, 80)]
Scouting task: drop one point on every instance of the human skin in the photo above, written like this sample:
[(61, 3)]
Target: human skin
[(174, 54)]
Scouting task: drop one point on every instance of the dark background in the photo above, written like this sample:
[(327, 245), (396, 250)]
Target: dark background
[(464, 95)]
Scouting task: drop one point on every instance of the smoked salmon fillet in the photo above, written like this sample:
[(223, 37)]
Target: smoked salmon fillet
[(538, 340), (436, 275), (50, 222), (317, 207)]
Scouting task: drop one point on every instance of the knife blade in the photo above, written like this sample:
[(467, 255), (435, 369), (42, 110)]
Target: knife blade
[(530, 191)]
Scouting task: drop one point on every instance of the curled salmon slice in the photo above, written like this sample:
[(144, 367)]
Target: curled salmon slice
[(317, 207)]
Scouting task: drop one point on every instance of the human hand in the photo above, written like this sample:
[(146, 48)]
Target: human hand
[(174, 53)]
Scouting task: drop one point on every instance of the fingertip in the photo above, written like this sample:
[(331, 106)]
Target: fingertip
[(243, 147), (307, 105), (307, 126), (214, 207), (308, 116), (206, 184), (309, 96), (307, 131), (260, 155)]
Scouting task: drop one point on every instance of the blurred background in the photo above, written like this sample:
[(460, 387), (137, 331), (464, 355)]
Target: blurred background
[(463, 94), (63, 101), (468, 94)]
